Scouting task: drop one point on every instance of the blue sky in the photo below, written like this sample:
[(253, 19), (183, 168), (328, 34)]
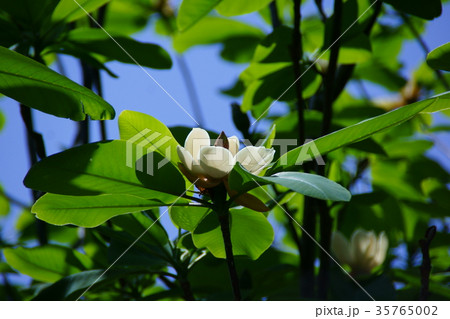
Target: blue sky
[(134, 90)]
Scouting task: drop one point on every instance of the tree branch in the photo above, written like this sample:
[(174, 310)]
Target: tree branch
[(425, 268)]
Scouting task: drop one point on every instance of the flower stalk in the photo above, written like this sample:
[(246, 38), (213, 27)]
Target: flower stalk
[(221, 207)]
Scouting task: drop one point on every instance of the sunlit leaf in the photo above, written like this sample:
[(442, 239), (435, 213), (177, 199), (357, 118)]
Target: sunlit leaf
[(251, 234), (360, 131), (213, 30), (149, 133), (113, 167), (191, 11), (88, 211), (47, 263), (238, 7), (70, 10), (307, 184), (36, 86)]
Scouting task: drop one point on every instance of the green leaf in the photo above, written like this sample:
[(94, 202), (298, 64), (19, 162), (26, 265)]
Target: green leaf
[(360, 131), (307, 184), (36, 86), (139, 223), (439, 58), (97, 41), (238, 7), (191, 11), (70, 10), (88, 211), (251, 234), (213, 30), (4, 204), (148, 132), (187, 217), (71, 287), (429, 10), (47, 263), (107, 168)]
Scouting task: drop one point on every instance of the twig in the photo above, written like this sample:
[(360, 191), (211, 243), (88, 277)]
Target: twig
[(274, 16), (297, 54), (191, 89), (332, 67), (425, 268), (424, 47), (34, 148), (320, 9)]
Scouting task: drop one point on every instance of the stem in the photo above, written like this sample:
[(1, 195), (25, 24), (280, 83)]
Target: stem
[(35, 146), (224, 220), (190, 88), (425, 268), (297, 53), (320, 9), (274, 16), (332, 67), (186, 288), (219, 195), (307, 278)]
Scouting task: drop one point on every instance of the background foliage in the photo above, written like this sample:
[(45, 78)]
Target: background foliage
[(374, 124)]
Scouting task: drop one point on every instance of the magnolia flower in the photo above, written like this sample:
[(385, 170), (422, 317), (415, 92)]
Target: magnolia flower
[(364, 252), (207, 165)]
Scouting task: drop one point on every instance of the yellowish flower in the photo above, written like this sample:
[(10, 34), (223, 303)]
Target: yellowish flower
[(363, 252)]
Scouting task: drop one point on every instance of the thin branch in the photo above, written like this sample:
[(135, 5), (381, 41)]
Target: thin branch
[(425, 268), (424, 47), (191, 89), (221, 207), (297, 54), (332, 67), (274, 16), (319, 6)]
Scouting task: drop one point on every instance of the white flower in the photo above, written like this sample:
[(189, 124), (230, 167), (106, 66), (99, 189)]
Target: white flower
[(210, 164), (364, 252)]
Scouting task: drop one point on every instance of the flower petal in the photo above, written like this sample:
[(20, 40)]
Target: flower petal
[(217, 162), (185, 157), (255, 159), (382, 247), (196, 139), (340, 247), (233, 145)]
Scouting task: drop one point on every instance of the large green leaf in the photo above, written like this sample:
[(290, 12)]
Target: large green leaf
[(47, 263), (237, 7), (360, 131), (423, 9), (191, 11), (307, 184), (139, 223), (70, 10), (439, 58), (187, 217), (88, 211), (148, 132), (36, 86), (107, 168), (214, 30), (121, 48), (251, 234)]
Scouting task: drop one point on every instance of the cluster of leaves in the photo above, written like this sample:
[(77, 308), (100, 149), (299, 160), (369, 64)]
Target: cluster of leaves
[(108, 205)]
